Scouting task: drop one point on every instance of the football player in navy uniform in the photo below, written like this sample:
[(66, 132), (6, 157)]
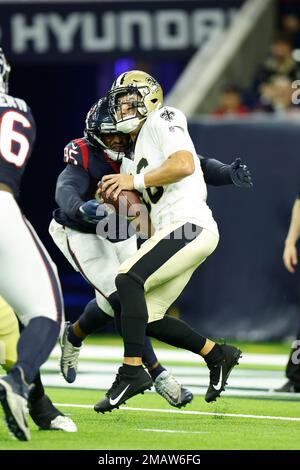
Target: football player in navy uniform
[(74, 232), (28, 279), (42, 411)]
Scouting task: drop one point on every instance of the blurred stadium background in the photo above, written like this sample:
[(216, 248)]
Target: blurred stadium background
[(213, 60)]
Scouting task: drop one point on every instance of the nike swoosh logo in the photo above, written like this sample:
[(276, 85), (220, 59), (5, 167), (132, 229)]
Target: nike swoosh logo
[(219, 384), (114, 401)]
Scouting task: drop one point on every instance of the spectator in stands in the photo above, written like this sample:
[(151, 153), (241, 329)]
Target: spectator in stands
[(230, 102), (291, 26), (280, 63), (276, 97)]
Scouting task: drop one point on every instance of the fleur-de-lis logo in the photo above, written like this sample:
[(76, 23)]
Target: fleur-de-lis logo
[(152, 83), (167, 115)]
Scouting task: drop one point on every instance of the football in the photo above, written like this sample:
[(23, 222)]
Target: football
[(128, 204)]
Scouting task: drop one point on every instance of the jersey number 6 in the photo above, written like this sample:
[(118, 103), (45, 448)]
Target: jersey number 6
[(8, 135)]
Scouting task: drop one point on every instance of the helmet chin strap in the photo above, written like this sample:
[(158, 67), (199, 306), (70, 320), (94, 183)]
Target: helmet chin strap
[(115, 156), (128, 125)]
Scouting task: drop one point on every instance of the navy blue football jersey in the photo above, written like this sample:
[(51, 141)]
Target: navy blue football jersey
[(17, 136), (95, 162), (86, 166)]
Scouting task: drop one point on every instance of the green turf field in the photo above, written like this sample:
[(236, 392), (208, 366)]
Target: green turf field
[(148, 422), (148, 428), (152, 429)]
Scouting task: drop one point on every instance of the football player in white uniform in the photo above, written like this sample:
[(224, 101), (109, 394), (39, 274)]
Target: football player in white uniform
[(167, 173), (74, 230)]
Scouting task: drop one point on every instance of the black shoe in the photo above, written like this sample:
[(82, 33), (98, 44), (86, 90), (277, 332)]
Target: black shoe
[(220, 371), (13, 398), (124, 387), (47, 417), (288, 387)]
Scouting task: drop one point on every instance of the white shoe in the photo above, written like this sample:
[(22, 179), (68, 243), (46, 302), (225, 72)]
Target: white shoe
[(69, 356), (46, 416), (168, 387), (63, 423)]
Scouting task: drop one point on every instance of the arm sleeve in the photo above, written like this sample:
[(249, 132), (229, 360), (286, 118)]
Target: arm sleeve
[(215, 173), (71, 185)]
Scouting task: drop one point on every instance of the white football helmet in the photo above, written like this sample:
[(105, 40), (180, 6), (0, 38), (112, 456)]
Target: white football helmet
[(4, 72), (132, 97)]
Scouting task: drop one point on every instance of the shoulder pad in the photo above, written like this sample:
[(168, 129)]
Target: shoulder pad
[(77, 152), (169, 116), (13, 103)]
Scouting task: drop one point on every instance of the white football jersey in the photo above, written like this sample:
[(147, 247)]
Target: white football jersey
[(164, 133), (127, 166)]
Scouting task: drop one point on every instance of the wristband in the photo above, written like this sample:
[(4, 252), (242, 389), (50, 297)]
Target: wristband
[(139, 182)]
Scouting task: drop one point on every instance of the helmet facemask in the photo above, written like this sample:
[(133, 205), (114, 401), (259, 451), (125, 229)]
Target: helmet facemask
[(127, 108), (98, 125), (132, 97)]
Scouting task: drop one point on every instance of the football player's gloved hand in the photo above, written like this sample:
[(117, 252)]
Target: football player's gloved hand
[(92, 212), (240, 174)]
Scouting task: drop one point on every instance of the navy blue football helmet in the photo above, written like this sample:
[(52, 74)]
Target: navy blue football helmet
[(98, 123)]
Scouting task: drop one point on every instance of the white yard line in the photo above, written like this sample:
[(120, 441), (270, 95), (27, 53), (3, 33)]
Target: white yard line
[(202, 413), (173, 431)]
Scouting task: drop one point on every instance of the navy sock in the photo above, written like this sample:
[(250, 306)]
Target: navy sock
[(92, 319), (156, 371), (35, 344), (74, 340), (149, 356)]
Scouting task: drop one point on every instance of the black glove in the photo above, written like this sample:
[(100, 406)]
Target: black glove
[(240, 174), (92, 212)]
